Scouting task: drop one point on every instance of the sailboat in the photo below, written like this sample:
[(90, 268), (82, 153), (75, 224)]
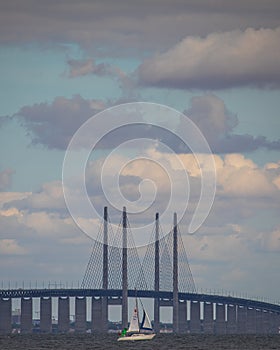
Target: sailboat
[(137, 331)]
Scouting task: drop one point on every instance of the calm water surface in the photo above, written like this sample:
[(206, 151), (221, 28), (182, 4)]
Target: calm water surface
[(160, 342)]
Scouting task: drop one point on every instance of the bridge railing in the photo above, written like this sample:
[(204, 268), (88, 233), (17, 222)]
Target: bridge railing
[(8, 285), (237, 294)]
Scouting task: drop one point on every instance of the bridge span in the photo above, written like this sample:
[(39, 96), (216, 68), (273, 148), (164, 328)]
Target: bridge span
[(197, 312)]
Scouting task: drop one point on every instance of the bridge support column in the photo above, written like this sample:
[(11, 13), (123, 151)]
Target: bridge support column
[(156, 279), (63, 315), (96, 315), (220, 324), (270, 322), (105, 272), (275, 323), (241, 319), (104, 311), (26, 315), (80, 314), (259, 321), (156, 315), (195, 324), (208, 322), (46, 315), (231, 319), (124, 273), (183, 322), (251, 321), (265, 322), (5, 316), (175, 277)]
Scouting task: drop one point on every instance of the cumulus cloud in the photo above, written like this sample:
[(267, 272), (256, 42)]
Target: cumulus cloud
[(48, 197), (78, 68), (217, 124), (89, 66), (54, 124), (34, 223), (11, 247), (86, 67), (218, 61), (243, 187), (271, 240), (6, 197), (239, 176), (36, 233), (233, 259)]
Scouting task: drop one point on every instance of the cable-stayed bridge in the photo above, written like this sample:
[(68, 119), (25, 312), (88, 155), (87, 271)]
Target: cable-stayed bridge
[(115, 273)]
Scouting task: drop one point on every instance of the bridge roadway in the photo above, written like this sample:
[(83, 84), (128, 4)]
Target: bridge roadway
[(116, 293)]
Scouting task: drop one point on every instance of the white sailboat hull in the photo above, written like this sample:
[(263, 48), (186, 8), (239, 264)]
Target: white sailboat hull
[(137, 336)]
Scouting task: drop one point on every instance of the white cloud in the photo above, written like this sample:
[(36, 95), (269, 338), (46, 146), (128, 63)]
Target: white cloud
[(218, 61), (236, 174), (11, 247), (7, 197), (228, 244), (271, 240), (239, 176)]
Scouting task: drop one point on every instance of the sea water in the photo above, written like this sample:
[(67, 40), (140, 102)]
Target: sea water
[(160, 342)]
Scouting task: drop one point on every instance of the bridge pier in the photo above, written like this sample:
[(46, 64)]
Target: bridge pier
[(265, 323), (63, 315), (231, 319), (273, 323), (195, 323), (241, 319), (220, 324), (5, 316), (96, 315), (45, 315), (183, 321), (276, 323), (26, 315), (259, 321), (80, 315), (208, 321), (251, 321)]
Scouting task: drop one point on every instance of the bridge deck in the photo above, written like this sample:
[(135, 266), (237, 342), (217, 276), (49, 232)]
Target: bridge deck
[(117, 293)]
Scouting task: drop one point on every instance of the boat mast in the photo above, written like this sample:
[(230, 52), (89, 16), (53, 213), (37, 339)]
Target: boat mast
[(137, 310)]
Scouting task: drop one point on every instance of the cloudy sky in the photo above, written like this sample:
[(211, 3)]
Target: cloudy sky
[(217, 62)]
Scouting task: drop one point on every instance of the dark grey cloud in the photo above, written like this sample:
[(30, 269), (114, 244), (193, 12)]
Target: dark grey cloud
[(124, 25), (53, 125), (217, 124)]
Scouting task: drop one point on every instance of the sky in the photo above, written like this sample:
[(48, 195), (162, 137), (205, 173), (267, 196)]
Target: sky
[(213, 68)]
